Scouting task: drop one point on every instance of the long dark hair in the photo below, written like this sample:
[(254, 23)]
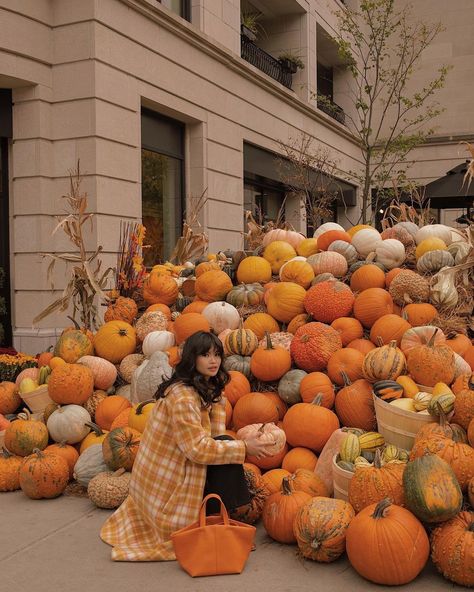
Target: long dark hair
[(185, 371)]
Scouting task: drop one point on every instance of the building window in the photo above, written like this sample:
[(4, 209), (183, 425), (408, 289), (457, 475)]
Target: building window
[(325, 83), (162, 184), (181, 7)]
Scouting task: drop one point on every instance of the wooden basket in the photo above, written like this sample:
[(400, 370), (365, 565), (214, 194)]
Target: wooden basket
[(38, 399), (398, 426), (341, 479)]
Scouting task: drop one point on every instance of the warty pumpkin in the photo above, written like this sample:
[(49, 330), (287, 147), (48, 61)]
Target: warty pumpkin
[(120, 448), (431, 363), (10, 400), (251, 512), (270, 363), (72, 345), (386, 544), (149, 322), (122, 309), (9, 470), (313, 345), (285, 301), (43, 475), (329, 300), (320, 528), (66, 451), (109, 489), (464, 408), (280, 510), (159, 288), (408, 287), (71, 384), (115, 340), (22, 436), (306, 480)]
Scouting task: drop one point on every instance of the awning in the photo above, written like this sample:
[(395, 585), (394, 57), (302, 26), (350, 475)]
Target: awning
[(449, 191)]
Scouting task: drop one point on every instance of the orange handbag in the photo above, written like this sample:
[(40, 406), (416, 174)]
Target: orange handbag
[(214, 545)]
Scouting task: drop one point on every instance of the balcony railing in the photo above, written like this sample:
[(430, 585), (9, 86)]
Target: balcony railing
[(332, 109), (264, 62)]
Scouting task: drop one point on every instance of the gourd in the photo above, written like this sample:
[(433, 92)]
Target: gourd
[(103, 371), (149, 375), (129, 364), (90, 463), (43, 475), (268, 433), (388, 390), (242, 342), (441, 403), (384, 363), (350, 448), (238, 363), (72, 345), (422, 400), (109, 489), (68, 424), (443, 289)]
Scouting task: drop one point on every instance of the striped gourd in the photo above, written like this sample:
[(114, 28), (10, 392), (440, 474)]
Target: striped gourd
[(371, 441), (444, 402), (350, 448), (360, 461), (422, 400), (403, 455), (388, 390), (242, 342), (384, 363), (390, 452)]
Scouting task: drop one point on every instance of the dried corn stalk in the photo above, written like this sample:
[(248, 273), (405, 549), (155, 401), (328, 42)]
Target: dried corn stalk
[(191, 245), (86, 280), (469, 176)]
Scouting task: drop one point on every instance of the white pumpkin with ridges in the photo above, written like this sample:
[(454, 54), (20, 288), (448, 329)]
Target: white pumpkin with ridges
[(390, 253), (434, 230), (326, 227), (366, 240), (221, 316), (158, 341), (67, 424)]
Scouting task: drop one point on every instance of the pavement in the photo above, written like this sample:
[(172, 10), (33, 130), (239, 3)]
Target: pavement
[(54, 546)]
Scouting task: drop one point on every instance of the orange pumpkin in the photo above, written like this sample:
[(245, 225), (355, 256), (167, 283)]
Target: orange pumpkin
[(328, 237), (269, 462), (22, 436), (309, 425), (254, 408), (270, 363), (206, 266), (237, 387), (9, 471), (298, 272), (122, 309), (195, 306), (121, 420), (348, 361), (355, 405), (115, 340), (297, 322), (120, 448), (279, 404), (389, 328), (273, 479), (329, 300), (419, 314), (71, 384), (174, 355), (285, 301), (213, 285), (300, 458), (391, 275), (458, 342), (348, 328), (159, 307), (469, 356), (420, 336), (45, 357), (160, 288), (313, 345), (367, 276), (260, 323), (10, 400), (43, 475), (108, 409), (431, 363), (188, 324), (371, 304), (314, 384), (362, 345), (66, 451)]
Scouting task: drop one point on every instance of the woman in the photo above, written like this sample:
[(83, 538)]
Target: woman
[(169, 473)]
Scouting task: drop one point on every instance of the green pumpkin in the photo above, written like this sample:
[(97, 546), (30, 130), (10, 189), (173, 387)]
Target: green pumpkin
[(289, 386), (432, 491), (246, 295), (73, 345), (350, 448), (239, 363), (444, 402)]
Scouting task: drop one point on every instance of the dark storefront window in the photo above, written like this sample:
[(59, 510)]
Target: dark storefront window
[(181, 7), (162, 184)]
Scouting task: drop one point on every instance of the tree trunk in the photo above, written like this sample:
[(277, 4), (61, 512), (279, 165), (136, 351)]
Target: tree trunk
[(366, 192)]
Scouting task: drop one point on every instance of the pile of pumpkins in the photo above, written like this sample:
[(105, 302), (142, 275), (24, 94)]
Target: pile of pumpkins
[(312, 329)]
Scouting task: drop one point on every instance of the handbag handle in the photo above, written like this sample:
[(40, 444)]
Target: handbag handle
[(202, 511)]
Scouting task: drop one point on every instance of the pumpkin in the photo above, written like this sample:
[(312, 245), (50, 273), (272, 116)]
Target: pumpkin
[(273, 479), (345, 249), (309, 425), (43, 475), (470, 492), (69, 424), (72, 345), (421, 336), (279, 234), (206, 266), (384, 363), (362, 345), (314, 384), (438, 231), (458, 342), (95, 436), (328, 262), (115, 340), (159, 288), (372, 484), (254, 408), (268, 433), (391, 275), (238, 363), (270, 363), (367, 276), (109, 489), (307, 247), (277, 253), (108, 409), (45, 357), (90, 404), (400, 234), (306, 480), (122, 309), (419, 314), (237, 387), (268, 462), (408, 287), (103, 371), (371, 304), (71, 383), (463, 382), (389, 328), (279, 404), (285, 301), (432, 492), (390, 253), (327, 238), (120, 447), (195, 306), (329, 300), (312, 346), (430, 244), (280, 510), (260, 323), (66, 451), (254, 269), (9, 471), (345, 361), (139, 414), (326, 227), (148, 377), (464, 407), (355, 406), (297, 322), (221, 316), (150, 321), (242, 342), (188, 324), (157, 341), (320, 528), (433, 261), (366, 240), (160, 308), (22, 436), (452, 549), (431, 363), (90, 463), (10, 400), (282, 338), (302, 458), (245, 295), (348, 328), (289, 386), (251, 512), (121, 420), (469, 356), (386, 544)]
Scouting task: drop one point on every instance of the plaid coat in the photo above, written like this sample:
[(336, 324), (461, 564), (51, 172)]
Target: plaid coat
[(168, 476)]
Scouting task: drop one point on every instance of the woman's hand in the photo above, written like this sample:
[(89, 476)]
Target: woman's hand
[(255, 447)]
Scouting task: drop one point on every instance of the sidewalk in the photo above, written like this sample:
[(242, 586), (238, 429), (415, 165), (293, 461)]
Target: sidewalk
[(53, 545)]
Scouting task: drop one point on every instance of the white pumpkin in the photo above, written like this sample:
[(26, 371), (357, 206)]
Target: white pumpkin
[(345, 249), (269, 434), (221, 316), (148, 377), (366, 240), (67, 424), (124, 391), (434, 230), (89, 464), (158, 341), (410, 227), (390, 253), (325, 227), (104, 372), (461, 366), (433, 261)]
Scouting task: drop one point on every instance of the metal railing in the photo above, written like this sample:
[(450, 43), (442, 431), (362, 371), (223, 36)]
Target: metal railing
[(264, 62), (333, 110)]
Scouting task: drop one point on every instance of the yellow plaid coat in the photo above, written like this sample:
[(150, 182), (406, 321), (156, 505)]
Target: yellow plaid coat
[(168, 476)]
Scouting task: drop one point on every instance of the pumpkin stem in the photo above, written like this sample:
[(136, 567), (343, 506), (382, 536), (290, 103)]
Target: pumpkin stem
[(269, 341), (285, 486), (381, 508), (6, 453), (431, 339), (318, 399), (379, 341), (261, 428), (393, 343), (119, 472), (39, 453), (345, 378), (95, 428), (139, 408), (378, 459)]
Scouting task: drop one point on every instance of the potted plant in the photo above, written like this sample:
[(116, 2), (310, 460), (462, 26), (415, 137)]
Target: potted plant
[(291, 62), (249, 25)]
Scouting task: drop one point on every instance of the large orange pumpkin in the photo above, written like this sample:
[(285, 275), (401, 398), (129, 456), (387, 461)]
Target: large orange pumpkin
[(313, 345), (371, 304), (188, 324), (367, 276), (329, 300), (388, 328), (254, 408), (317, 383), (419, 314), (271, 362), (160, 288), (254, 269), (115, 340), (237, 387), (22, 436), (348, 328), (260, 323), (300, 458), (66, 451), (309, 425), (431, 363), (345, 361), (71, 384), (355, 405), (328, 237), (213, 285), (285, 301), (108, 409)]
